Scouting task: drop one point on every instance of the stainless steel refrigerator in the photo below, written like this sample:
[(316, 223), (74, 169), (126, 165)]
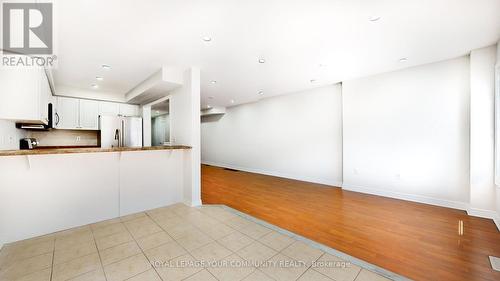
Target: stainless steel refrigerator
[(117, 131)]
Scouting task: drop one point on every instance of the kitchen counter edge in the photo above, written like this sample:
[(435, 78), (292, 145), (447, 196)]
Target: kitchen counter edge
[(87, 150)]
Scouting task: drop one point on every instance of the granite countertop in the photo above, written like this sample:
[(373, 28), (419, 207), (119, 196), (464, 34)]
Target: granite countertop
[(59, 150)]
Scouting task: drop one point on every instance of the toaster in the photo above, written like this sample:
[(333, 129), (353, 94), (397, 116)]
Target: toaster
[(28, 143)]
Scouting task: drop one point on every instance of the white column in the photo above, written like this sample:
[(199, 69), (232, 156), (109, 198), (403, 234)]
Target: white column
[(185, 129), (482, 131), (497, 110)]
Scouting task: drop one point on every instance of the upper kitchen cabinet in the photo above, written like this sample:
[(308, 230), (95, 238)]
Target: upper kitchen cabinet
[(77, 114), (89, 114), (109, 108), (129, 110), (25, 95), (67, 113)]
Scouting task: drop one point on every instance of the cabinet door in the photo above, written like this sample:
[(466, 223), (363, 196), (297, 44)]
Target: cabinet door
[(67, 116), (19, 90), (129, 110), (89, 114), (109, 108)]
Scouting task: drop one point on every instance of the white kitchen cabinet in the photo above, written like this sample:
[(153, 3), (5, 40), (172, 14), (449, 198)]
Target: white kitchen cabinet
[(89, 114), (24, 95), (83, 114), (77, 114), (67, 113), (129, 110), (109, 108)]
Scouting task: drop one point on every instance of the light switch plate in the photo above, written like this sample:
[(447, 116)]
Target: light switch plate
[(495, 263)]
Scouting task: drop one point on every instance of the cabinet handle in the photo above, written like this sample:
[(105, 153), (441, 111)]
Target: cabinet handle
[(57, 119)]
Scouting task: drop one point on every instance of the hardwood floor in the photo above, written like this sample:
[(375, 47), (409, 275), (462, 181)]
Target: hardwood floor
[(415, 240)]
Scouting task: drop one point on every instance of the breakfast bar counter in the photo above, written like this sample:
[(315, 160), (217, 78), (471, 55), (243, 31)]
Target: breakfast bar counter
[(42, 151)]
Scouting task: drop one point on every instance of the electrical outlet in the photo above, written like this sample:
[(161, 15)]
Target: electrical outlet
[(78, 139)]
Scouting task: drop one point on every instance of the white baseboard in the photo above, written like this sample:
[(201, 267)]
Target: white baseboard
[(193, 203), (408, 197), (497, 221), (276, 174), (487, 214)]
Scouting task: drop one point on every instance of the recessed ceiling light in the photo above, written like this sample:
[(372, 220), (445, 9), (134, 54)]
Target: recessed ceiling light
[(262, 61), (403, 59), (95, 86), (313, 80), (374, 18), (99, 78), (261, 92), (157, 112), (106, 66), (231, 101), (322, 65), (207, 39), (213, 82), (208, 106)]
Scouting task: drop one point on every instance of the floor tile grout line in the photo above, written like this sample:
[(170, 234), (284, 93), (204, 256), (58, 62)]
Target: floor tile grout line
[(53, 258), (163, 244), (99, 255)]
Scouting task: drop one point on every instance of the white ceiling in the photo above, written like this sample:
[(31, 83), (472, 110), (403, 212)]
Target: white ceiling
[(138, 37)]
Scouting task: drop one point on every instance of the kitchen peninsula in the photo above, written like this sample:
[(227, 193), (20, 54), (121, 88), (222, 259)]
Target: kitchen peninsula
[(54, 189), (76, 180)]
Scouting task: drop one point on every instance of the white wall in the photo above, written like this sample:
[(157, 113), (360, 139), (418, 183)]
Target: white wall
[(406, 133), (497, 220), (482, 131), (185, 129), (295, 136), (9, 135)]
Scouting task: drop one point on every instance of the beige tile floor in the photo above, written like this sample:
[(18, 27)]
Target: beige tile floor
[(171, 243)]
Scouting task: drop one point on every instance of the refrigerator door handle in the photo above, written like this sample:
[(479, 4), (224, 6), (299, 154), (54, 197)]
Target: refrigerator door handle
[(117, 136), (123, 133)]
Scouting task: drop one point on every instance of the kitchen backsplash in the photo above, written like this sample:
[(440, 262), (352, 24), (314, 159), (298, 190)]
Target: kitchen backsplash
[(9, 135), (65, 137)]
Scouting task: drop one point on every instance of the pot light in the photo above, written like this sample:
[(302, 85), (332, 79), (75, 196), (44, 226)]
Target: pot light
[(374, 18), (322, 65), (231, 101), (157, 112), (106, 67), (261, 92), (99, 78), (262, 61), (403, 59), (213, 82), (207, 39), (94, 86), (313, 81), (208, 106)]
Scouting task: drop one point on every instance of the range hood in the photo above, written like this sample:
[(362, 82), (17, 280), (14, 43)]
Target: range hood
[(38, 126)]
